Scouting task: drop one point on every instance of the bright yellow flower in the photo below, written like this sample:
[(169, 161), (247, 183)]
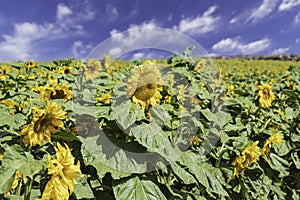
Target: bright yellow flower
[(9, 103), (5, 69), (181, 96), (64, 70), (199, 67), (44, 123), (144, 85), (104, 98), (230, 89), (276, 138), (92, 69), (54, 92), (266, 96), (30, 64), (195, 141), (18, 177), (63, 173), (249, 155)]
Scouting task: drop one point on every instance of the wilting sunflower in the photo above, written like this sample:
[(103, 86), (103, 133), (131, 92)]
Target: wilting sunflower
[(276, 138), (44, 123), (266, 96), (63, 173), (92, 69), (145, 84), (249, 155)]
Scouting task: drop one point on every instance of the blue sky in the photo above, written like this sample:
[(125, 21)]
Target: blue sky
[(51, 29)]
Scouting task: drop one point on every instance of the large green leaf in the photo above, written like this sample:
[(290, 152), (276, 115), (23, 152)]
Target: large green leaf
[(108, 157), (134, 188), (155, 140), (82, 189), (126, 113), (16, 159), (210, 177), (279, 164)]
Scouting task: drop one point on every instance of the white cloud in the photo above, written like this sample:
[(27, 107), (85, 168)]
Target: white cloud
[(288, 4), (80, 50), (27, 37), (147, 35), (201, 24), (263, 10), (62, 11), (112, 12), (297, 19), (23, 40), (235, 46), (233, 20), (281, 50)]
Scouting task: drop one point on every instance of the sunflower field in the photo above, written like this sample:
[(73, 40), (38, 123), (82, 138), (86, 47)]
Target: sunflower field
[(181, 128)]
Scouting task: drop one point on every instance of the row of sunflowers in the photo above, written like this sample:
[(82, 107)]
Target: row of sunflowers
[(182, 128)]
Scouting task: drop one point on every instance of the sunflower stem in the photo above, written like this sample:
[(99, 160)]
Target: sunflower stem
[(28, 188)]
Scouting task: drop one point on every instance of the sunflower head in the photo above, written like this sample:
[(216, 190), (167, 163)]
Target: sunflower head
[(5, 70), (30, 64), (145, 84), (92, 69), (44, 123), (266, 96)]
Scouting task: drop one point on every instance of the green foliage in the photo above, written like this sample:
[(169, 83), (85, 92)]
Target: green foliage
[(127, 152)]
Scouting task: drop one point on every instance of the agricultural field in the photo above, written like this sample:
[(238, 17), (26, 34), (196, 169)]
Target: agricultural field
[(181, 128)]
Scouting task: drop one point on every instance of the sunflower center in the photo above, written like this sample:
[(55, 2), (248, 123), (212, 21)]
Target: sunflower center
[(67, 71), (59, 94), (266, 92), (41, 123), (146, 91)]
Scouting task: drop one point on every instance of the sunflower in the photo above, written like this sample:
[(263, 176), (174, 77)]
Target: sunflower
[(200, 65), (63, 173), (276, 138), (266, 96), (5, 69), (250, 154), (30, 64), (144, 85), (64, 70), (104, 98), (92, 69), (48, 92), (44, 123)]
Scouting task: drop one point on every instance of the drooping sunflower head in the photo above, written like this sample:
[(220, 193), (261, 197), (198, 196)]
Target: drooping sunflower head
[(266, 96), (145, 84)]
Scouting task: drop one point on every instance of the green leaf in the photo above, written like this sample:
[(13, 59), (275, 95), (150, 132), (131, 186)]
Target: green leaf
[(16, 159), (161, 116), (6, 118), (210, 177), (105, 156), (185, 176), (126, 113), (152, 137), (279, 164), (134, 188), (82, 189)]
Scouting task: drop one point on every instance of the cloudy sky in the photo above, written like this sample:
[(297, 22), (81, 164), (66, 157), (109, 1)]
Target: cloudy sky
[(52, 29)]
